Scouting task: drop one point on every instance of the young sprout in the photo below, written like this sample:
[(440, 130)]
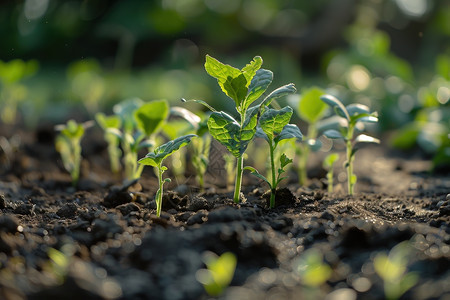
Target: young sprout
[(310, 109), (244, 87), (107, 122), (12, 90), (141, 123), (219, 272), (353, 114), (392, 269), (274, 127), (156, 159), (68, 144), (328, 164)]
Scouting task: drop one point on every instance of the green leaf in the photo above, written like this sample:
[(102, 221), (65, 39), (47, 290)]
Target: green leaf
[(272, 121), (259, 84), (336, 105), (310, 108), (151, 116), (156, 157), (334, 122), (279, 92), (106, 122), (250, 69), (199, 102), (290, 131), (187, 115), (330, 159), (333, 134), (356, 109), (231, 80), (284, 161), (255, 172), (225, 129)]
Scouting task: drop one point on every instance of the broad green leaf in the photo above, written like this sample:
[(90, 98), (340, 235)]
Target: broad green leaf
[(231, 80), (106, 122), (151, 116), (334, 122), (255, 172), (258, 86), (310, 108), (279, 92), (251, 68), (336, 105), (272, 121), (368, 119), (156, 157), (406, 137), (330, 159), (225, 129), (290, 131), (248, 130), (333, 134), (176, 128), (125, 110), (363, 138), (260, 134)]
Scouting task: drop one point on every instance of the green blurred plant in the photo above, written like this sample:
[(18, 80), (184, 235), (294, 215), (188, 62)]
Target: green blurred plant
[(12, 91), (392, 269), (156, 159), (274, 127), (310, 109), (354, 114), (244, 87), (141, 122), (114, 152), (328, 164), (68, 144), (218, 273)]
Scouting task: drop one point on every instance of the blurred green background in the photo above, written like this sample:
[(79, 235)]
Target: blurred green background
[(70, 59)]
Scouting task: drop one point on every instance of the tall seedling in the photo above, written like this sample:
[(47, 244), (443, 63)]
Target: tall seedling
[(353, 115), (244, 87)]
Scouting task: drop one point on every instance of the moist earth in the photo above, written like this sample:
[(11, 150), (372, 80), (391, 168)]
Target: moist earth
[(111, 245)]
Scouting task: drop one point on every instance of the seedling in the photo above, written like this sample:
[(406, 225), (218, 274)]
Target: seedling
[(310, 109), (244, 87), (219, 273), (156, 159), (107, 122), (328, 164), (392, 269), (12, 91), (140, 125), (68, 144), (353, 114), (274, 127)]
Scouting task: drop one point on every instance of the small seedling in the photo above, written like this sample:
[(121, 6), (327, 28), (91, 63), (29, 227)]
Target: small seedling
[(310, 109), (244, 87), (219, 273), (141, 123), (107, 122), (12, 91), (68, 144), (328, 164), (392, 269), (156, 159), (274, 127), (353, 114)]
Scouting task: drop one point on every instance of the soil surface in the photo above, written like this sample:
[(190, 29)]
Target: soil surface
[(102, 239)]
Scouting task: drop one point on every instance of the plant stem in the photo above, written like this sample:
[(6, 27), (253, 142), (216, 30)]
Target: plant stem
[(238, 183), (160, 191), (349, 160), (273, 187), (330, 180), (303, 158)]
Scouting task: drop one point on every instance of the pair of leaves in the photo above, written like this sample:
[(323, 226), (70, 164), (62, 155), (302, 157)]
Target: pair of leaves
[(156, 157), (275, 127), (284, 161), (151, 116), (235, 83)]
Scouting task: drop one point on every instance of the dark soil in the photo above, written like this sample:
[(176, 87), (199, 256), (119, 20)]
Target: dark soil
[(114, 246)]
